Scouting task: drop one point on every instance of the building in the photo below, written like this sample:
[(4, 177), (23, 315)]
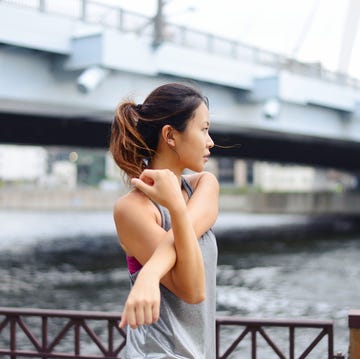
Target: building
[(22, 163)]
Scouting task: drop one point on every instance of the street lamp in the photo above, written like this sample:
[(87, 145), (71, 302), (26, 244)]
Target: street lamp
[(159, 22)]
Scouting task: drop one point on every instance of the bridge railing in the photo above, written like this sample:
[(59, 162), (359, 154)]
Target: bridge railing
[(96, 12), (96, 335)]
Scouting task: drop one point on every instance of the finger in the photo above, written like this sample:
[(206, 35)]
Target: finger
[(137, 182), (131, 317), (140, 316), (141, 185), (123, 321), (148, 176), (148, 314), (156, 312)]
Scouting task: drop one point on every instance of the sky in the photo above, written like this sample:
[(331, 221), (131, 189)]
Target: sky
[(308, 30)]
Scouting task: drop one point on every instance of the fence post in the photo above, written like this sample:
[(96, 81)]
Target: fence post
[(354, 326)]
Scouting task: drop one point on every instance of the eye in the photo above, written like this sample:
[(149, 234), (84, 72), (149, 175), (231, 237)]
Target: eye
[(205, 129)]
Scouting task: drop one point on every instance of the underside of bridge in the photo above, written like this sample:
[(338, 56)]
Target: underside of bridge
[(242, 144)]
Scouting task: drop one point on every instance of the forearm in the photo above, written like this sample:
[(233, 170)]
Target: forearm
[(175, 266), (162, 259), (203, 204), (189, 258)]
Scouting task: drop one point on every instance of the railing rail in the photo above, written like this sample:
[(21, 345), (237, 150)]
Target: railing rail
[(96, 12), (64, 334), (258, 327), (51, 339)]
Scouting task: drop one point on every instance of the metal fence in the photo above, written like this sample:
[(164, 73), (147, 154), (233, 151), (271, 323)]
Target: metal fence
[(60, 334), (96, 335), (259, 328)]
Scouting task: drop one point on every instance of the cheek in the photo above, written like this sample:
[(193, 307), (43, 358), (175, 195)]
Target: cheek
[(195, 144), (195, 140)]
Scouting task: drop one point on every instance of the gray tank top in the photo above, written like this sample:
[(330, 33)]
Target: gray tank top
[(183, 330)]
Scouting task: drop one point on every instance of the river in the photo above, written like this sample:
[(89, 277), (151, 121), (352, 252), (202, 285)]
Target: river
[(71, 260)]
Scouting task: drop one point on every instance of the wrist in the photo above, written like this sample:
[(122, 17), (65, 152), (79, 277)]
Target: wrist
[(149, 274), (179, 209)]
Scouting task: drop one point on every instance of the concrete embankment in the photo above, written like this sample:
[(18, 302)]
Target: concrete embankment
[(255, 218), (94, 199), (57, 199), (347, 203)]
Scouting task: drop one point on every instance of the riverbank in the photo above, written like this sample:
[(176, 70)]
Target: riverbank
[(87, 198)]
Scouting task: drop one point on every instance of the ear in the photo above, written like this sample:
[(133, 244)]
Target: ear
[(167, 133)]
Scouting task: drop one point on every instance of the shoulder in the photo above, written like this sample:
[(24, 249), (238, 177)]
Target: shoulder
[(202, 178), (134, 202), (133, 213)]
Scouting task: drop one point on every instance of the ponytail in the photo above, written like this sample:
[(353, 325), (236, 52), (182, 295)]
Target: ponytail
[(136, 129), (127, 146)]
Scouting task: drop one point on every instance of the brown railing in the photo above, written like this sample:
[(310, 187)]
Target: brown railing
[(255, 328), (60, 334), (94, 335)]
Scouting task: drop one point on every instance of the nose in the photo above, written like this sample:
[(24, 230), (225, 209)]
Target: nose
[(210, 142)]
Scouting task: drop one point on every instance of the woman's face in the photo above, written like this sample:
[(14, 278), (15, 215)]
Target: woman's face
[(193, 145)]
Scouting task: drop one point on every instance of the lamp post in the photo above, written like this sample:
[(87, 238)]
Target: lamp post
[(159, 24)]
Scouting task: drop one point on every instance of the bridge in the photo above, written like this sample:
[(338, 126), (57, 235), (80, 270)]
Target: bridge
[(65, 65)]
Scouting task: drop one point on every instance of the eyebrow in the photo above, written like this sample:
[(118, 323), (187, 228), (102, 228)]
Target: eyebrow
[(207, 123)]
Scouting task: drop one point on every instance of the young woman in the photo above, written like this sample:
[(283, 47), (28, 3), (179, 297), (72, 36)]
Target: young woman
[(164, 224)]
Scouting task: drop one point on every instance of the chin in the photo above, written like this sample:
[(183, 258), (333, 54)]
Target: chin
[(198, 169)]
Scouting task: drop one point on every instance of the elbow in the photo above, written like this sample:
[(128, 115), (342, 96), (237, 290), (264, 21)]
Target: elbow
[(195, 298)]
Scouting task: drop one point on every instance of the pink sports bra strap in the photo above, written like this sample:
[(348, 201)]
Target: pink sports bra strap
[(133, 264)]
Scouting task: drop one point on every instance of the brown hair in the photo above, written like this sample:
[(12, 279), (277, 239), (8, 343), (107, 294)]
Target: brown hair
[(136, 129)]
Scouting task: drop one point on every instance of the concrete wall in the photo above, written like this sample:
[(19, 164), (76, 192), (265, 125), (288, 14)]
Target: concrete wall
[(293, 203), (92, 199)]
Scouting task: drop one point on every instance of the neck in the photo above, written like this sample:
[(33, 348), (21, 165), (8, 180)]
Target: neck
[(166, 162)]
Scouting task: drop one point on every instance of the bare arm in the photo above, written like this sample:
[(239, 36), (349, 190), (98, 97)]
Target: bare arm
[(202, 209), (175, 261)]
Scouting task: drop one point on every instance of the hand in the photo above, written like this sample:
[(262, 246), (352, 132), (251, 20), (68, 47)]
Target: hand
[(143, 303), (162, 186)]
